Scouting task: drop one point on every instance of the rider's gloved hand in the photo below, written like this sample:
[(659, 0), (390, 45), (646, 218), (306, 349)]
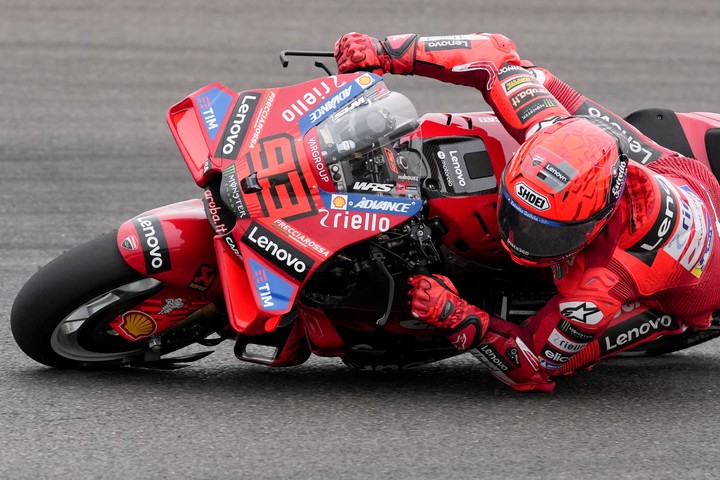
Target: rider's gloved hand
[(356, 51), (511, 360), (435, 301)]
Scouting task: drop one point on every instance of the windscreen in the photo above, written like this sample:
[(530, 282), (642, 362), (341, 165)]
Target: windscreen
[(357, 145)]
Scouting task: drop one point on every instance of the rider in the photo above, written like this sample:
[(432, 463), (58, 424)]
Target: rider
[(619, 218)]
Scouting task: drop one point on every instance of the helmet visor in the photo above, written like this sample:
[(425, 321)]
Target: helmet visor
[(537, 239)]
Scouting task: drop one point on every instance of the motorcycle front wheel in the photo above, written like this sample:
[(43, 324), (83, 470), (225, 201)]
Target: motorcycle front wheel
[(61, 316)]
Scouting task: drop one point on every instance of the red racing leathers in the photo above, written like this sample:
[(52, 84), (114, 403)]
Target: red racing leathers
[(650, 272)]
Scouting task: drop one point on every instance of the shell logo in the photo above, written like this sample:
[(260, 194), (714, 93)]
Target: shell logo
[(137, 324), (339, 202), (365, 81)]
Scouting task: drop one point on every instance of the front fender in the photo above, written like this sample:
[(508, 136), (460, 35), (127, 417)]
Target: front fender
[(173, 244)]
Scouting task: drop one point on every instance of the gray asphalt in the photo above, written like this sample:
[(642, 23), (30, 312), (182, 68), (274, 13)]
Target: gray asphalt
[(83, 146)]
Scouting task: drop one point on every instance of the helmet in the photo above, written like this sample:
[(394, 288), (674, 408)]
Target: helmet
[(560, 189)]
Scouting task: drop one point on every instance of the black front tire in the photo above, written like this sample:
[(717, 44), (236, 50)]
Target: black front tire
[(60, 317)]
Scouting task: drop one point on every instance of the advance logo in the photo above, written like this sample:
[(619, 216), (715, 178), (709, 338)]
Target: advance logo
[(279, 253)]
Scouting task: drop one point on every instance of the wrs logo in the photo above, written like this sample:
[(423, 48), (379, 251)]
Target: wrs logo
[(373, 187)]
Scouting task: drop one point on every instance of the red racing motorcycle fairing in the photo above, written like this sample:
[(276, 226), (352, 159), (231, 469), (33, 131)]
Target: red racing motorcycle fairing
[(696, 127), (171, 244), (288, 216), (470, 170)]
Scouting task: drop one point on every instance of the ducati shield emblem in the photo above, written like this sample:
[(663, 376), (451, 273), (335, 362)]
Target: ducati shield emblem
[(130, 243)]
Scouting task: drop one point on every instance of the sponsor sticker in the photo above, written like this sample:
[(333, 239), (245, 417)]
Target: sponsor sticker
[(530, 197), (136, 324), (634, 330), (273, 292), (301, 238), (640, 151), (231, 194), (573, 333), (371, 204), (446, 44), (130, 243), (339, 202), (693, 236), (528, 94), (319, 92), (262, 117), (646, 248), (494, 359), (204, 278), (554, 355), (345, 220), (171, 304), (213, 106), (533, 108), (519, 81), (238, 125), (327, 107), (549, 365), (508, 70), (586, 312), (154, 245), (278, 251), (564, 344)]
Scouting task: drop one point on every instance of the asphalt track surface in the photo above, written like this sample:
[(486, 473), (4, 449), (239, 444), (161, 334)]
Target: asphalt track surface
[(83, 146)]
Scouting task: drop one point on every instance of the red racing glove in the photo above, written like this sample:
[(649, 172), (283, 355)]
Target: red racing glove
[(356, 51), (435, 301), (510, 360)]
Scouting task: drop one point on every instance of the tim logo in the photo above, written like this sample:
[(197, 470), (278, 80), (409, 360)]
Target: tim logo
[(213, 106)]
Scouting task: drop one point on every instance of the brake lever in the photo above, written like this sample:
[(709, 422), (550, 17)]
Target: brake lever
[(284, 61)]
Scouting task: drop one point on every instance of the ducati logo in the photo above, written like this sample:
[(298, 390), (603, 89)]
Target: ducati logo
[(130, 243)]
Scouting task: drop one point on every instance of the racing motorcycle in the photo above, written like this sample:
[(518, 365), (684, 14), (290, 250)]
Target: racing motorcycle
[(319, 199)]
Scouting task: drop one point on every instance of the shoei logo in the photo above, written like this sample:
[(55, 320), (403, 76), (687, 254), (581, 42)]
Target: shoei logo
[(531, 197)]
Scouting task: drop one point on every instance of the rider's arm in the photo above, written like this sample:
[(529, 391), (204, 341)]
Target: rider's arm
[(521, 94), (487, 62)]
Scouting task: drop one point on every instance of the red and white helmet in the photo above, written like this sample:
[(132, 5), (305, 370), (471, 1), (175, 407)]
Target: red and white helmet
[(560, 189)]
